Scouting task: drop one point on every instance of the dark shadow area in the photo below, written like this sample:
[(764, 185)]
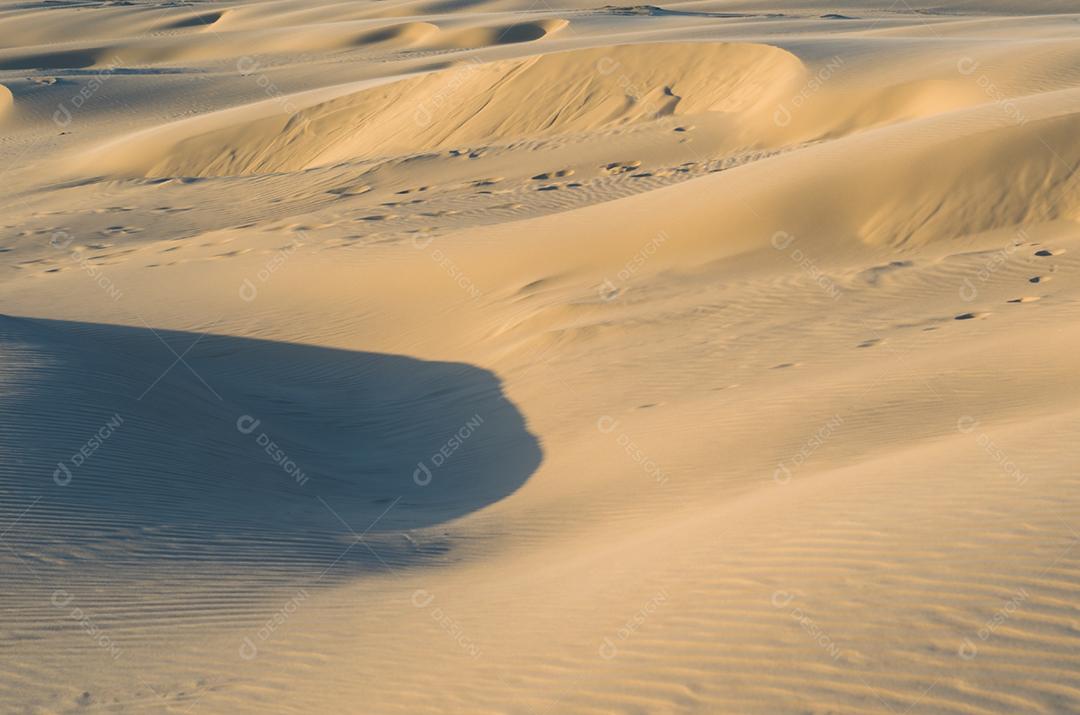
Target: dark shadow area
[(242, 451)]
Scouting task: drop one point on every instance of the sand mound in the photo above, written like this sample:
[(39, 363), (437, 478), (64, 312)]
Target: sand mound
[(7, 101), (500, 367), (173, 48), (195, 21), (989, 174), (508, 34), (474, 103), (361, 426)]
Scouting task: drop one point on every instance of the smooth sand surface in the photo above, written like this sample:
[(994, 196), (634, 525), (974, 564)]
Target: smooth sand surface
[(492, 357)]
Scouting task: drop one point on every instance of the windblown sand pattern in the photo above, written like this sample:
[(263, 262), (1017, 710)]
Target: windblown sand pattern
[(480, 356)]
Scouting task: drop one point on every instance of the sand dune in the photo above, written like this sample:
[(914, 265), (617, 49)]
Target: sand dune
[(448, 356), (462, 106)]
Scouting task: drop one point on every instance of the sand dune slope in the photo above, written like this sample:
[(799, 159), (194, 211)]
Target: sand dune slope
[(479, 357), (474, 102)]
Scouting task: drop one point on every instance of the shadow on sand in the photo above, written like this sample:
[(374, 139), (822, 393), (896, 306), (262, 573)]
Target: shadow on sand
[(147, 446)]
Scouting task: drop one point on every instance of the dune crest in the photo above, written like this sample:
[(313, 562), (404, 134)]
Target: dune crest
[(467, 105), (7, 101)]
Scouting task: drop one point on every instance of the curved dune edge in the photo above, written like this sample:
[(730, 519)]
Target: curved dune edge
[(824, 200), (7, 101), (545, 95), (506, 34), (218, 45), (198, 20), (201, 37)]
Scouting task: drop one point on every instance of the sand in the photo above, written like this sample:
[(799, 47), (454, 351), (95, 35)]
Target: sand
[(498, 357)]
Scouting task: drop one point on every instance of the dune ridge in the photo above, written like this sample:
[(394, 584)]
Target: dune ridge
[(466, 105), (473, 357)]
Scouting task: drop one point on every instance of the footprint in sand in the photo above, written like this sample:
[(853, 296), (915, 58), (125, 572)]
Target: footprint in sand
[(548, 175), (120, 230), (356, 190), (621, 167)]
